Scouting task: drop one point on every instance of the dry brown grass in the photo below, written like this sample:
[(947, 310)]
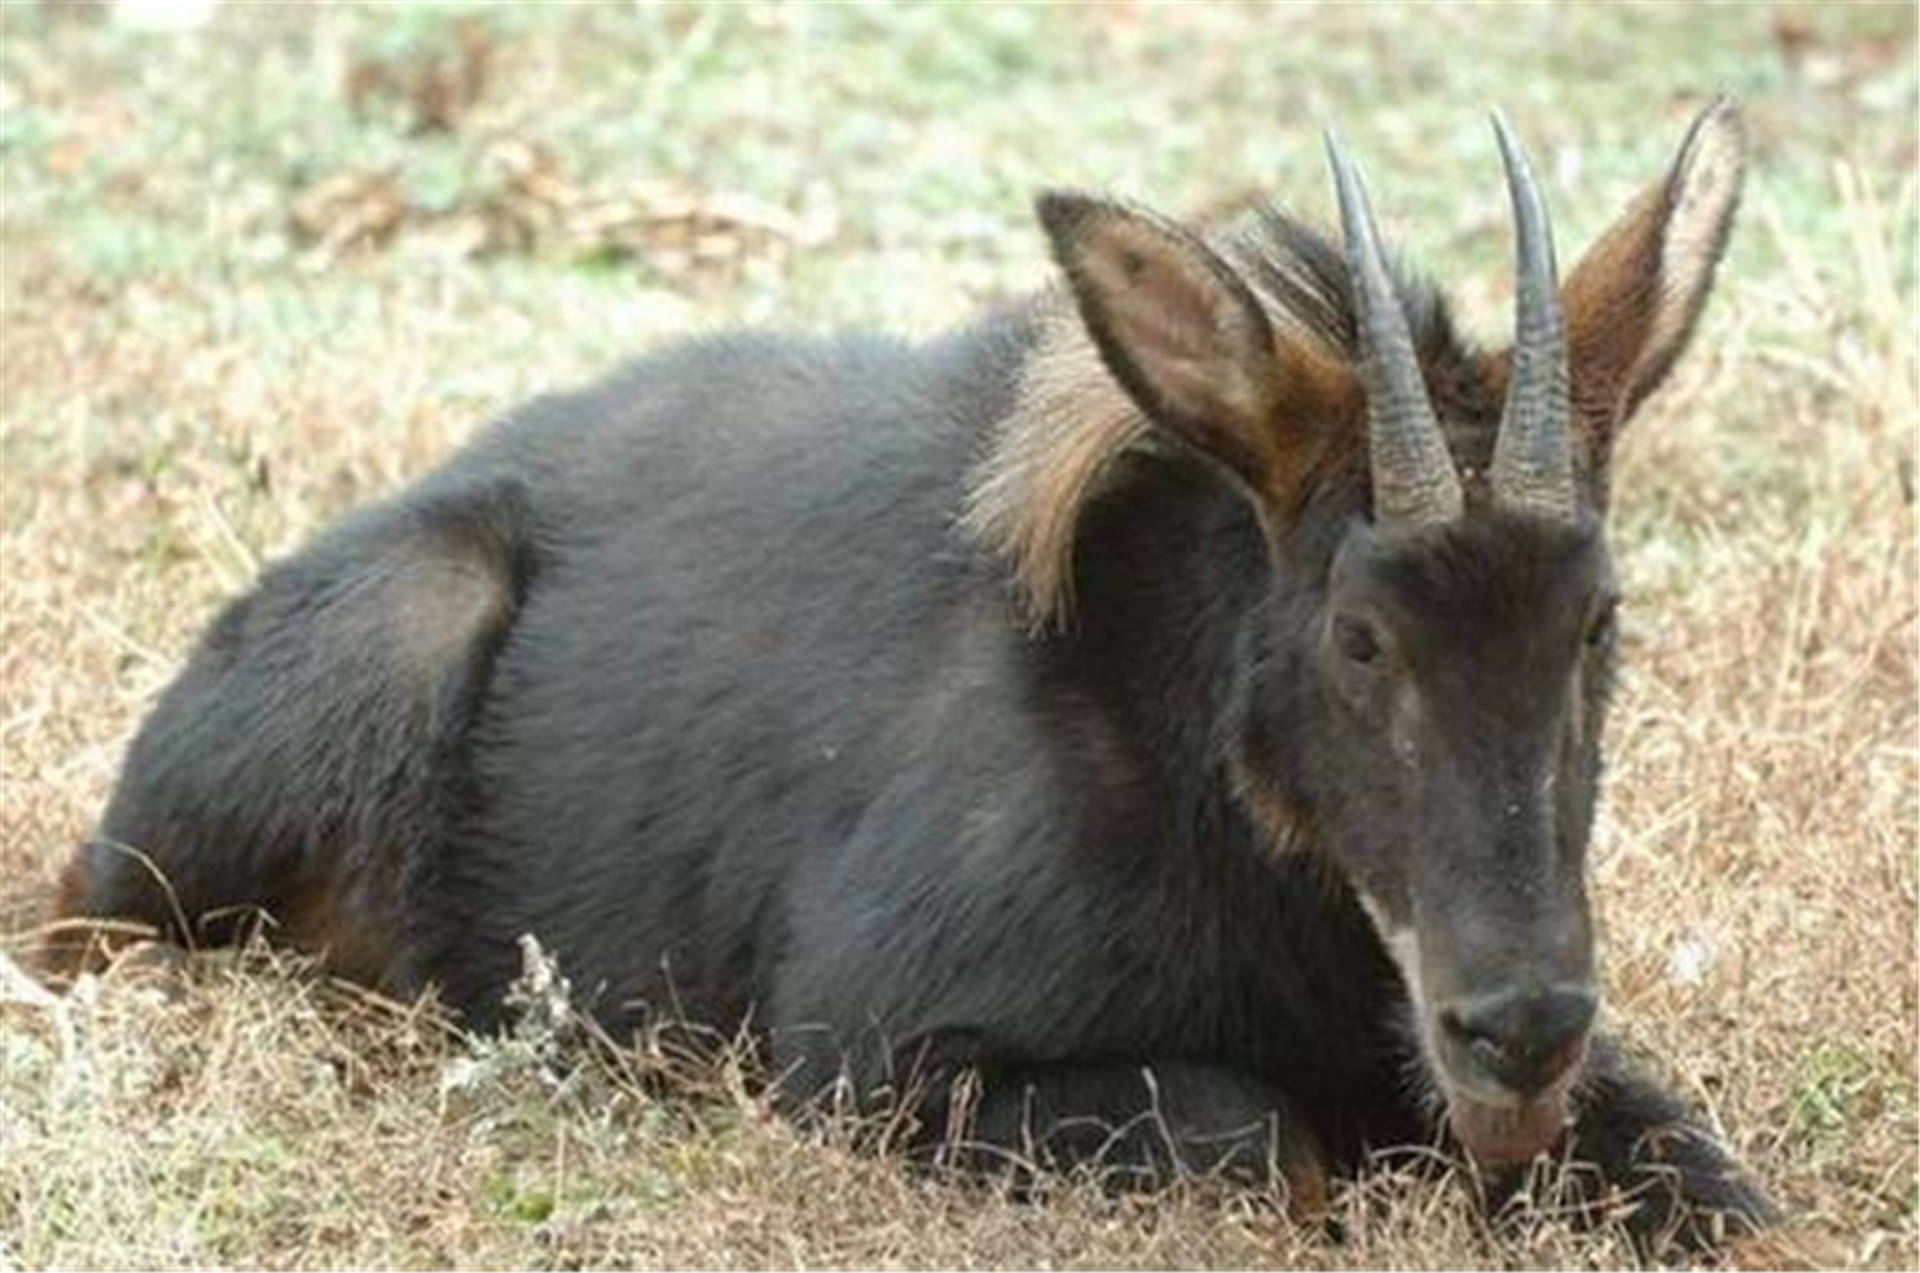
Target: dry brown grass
[(180, 402)]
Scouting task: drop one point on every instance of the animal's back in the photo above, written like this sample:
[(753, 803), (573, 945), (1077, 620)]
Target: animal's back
[(745, 568), (601, 678)]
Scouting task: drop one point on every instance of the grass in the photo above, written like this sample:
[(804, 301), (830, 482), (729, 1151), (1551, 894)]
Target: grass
[(238, 298)]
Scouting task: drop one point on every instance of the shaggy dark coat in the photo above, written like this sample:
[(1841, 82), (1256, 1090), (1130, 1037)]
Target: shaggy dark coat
[(941, 713)]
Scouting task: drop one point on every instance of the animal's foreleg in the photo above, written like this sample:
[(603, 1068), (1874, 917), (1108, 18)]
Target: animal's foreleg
[(1135, 1123)]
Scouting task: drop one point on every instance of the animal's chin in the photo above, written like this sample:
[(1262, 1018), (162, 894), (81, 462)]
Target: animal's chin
[(1508, 1134)]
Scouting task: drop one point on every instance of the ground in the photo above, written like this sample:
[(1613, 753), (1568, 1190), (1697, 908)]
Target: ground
[(258, 269)]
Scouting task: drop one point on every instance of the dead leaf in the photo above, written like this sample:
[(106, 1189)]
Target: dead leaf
[(349, 211), (520, 200)]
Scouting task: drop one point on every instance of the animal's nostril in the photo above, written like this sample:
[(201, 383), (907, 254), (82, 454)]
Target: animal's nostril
[(1523, 1040), (1490, 1047), (1490, 1055)]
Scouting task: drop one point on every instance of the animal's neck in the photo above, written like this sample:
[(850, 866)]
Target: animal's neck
[(1163, 593)]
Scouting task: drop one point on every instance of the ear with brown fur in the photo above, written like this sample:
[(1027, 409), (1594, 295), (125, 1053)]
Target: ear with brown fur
[(1632, 302), (1189, 342)]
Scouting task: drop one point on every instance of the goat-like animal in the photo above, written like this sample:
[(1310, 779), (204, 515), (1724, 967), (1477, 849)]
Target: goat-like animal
[(1171, 704)]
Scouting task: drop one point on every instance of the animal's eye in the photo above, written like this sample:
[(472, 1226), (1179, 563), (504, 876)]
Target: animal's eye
[(1600, 626), (1356, 638)]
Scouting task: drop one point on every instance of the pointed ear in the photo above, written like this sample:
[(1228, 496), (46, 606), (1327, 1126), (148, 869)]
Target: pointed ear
[(1632, 302), (1187, 339)]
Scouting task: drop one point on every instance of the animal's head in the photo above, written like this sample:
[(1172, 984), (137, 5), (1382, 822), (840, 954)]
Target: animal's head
[(1427, 686)]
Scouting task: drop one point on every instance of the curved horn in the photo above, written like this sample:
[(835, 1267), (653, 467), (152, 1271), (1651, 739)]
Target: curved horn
[(1533, 454), (1413, 479)]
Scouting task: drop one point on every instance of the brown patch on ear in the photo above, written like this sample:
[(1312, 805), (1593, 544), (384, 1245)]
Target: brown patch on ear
[(1610, 301), (1158, 337), (1175, 325), (1073, 421), (1632, 302), (1322, 404)]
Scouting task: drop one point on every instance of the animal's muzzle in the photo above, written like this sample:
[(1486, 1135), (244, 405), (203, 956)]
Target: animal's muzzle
[(1521, 1042)]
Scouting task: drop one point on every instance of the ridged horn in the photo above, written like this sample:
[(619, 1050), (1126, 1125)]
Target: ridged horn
[(1533, 453), (1414, 483)]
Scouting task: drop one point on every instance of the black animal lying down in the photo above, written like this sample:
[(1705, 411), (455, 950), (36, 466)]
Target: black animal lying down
[(1172, 703)]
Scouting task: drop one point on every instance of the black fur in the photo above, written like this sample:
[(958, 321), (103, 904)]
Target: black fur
[(694, 676)]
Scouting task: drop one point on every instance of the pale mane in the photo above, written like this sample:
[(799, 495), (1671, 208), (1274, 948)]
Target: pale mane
[(1072, 420)]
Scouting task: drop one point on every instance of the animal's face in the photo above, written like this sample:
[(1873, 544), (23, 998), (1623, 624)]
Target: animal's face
[(1426, 700), (1461, 679)]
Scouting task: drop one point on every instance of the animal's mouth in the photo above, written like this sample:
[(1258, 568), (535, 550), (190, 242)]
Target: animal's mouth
[(1507, 1134), (1508, 1093), (1512, 1129)]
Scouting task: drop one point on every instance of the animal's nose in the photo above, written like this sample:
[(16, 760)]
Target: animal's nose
[(1522, 1040)]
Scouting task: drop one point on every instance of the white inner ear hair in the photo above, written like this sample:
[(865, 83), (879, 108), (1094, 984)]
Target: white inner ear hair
[(1709, 187)]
